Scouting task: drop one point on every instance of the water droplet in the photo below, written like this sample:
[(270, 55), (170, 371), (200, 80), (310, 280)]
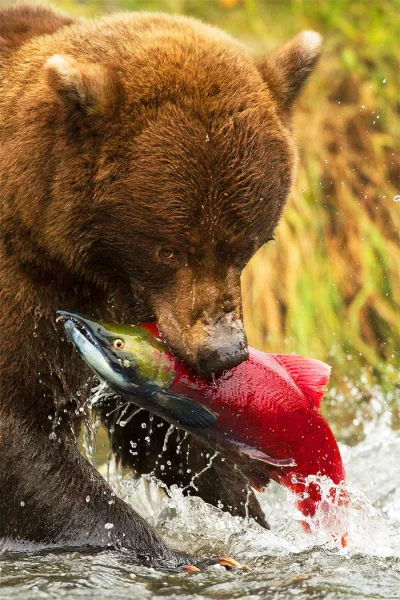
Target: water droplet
[(397, 198), (143, 425), (108, 525), (87, 498), (384, 80), (22, 503)]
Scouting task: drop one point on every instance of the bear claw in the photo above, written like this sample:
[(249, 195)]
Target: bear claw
[(191, 569), (228, 562), (225, 561)]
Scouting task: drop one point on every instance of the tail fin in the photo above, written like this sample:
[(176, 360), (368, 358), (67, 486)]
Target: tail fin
[(309, 374)]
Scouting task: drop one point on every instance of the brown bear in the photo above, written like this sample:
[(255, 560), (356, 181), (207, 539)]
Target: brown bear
[(144, 158)]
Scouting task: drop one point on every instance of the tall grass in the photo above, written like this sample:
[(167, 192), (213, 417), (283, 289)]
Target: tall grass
[(329, 286)]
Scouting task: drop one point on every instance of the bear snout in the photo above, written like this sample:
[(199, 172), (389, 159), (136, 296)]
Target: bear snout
[(211, 344), (224, 347)]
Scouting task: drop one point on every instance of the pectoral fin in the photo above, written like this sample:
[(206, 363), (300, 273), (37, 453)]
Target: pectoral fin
[(258, 455), (184, 410)]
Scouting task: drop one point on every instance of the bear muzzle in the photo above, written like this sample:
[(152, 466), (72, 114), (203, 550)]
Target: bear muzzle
[(215, 341), (223, 347)]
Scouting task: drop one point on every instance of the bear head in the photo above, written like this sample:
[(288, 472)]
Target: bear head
[(177, 160)]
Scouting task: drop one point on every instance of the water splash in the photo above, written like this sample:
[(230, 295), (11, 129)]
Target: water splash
[(286, 562), (191, 484), (367, 523), (100, 393), (92, 423)]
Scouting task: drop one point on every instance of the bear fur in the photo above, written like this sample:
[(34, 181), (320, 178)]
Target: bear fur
[(144, 158)]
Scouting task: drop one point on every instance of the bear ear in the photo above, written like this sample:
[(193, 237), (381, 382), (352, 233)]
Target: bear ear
[(287, 69), (83, 86)]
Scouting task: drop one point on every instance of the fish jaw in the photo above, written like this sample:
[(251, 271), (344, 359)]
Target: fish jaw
[(91, 339), (140, 366), (95, 357)]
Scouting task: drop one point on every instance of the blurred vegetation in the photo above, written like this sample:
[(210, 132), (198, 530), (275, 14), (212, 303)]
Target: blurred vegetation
[(329, 286)]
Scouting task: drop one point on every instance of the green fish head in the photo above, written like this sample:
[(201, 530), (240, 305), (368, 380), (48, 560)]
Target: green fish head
[(128, 357)]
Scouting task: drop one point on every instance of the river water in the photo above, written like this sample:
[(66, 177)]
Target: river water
[(285, 563)]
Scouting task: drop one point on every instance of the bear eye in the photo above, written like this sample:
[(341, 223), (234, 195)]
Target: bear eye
[(119, 344), (168, 254)]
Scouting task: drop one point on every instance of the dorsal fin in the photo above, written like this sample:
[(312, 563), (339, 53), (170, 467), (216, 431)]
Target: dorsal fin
[(309, 374)]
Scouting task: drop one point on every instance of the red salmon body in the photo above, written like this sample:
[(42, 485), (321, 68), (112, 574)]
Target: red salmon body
[(270, 403)]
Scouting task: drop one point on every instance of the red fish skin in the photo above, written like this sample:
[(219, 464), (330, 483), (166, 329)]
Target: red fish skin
[(259, 404)]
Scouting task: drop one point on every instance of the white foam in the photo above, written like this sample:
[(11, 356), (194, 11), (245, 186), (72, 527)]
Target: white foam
[(370, 519)]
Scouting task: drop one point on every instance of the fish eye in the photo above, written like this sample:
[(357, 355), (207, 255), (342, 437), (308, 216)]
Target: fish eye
[(119, 344), (168, 254)]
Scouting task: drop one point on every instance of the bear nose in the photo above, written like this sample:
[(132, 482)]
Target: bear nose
[(224, 348), (221, 359)]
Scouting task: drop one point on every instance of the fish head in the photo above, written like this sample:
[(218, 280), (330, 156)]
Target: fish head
[(127, 357)]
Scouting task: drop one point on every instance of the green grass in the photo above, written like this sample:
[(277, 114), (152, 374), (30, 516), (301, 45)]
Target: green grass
[(331, 283)]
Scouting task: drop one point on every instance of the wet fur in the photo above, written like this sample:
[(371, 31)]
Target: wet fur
[(112, 145)]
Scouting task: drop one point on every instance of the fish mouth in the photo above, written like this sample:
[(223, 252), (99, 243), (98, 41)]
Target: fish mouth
[(81, 323), (88, 338)]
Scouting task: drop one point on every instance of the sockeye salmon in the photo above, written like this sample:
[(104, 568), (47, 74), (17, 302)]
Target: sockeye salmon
[(262, 414)]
